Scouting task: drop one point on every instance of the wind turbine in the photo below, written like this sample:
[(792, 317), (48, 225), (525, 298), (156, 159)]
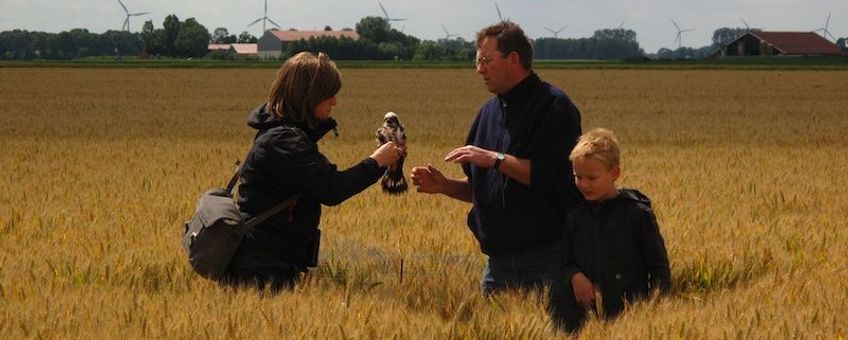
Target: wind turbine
[(825, 32), (126, 26), (389, 19), (264, 19), (747, 27), (680, 31), (621, 25), (556, 33), (447, 34)]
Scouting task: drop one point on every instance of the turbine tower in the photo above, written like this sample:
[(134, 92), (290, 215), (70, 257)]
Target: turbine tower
[(386, 14), (556, 33), (126, 26), (680, 31), (825, 32), (264, 19)]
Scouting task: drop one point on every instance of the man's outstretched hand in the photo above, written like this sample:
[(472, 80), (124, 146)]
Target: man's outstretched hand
[(428, 180)]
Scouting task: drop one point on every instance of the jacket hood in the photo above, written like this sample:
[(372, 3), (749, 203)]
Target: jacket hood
[(634, 195), (262, 119)]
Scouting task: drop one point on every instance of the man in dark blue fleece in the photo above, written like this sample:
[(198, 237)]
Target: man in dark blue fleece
[(518, 176)]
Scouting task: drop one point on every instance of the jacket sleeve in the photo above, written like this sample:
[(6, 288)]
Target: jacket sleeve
[(550, 169), (569, 262), (302, 166), (654, 253)]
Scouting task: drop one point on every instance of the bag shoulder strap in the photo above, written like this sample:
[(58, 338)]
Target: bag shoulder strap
[(253, 222)]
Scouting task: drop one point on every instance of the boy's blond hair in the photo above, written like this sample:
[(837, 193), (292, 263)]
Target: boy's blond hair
[(599, 144)]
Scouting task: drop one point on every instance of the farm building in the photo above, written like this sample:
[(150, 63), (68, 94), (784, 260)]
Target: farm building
[(842, 43), (760, 43), (274, 42), (240, 49)]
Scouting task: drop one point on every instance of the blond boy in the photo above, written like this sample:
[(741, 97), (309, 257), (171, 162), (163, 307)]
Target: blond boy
[(612, 246)]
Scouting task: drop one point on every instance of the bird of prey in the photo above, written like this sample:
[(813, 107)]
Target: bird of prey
[(393, 182)]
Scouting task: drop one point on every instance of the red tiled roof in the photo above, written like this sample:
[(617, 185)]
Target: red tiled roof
[(798, 42), (217, 47), (245, 48), (297, 35)]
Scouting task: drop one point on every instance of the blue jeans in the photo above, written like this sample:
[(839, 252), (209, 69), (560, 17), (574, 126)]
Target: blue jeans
[(534, 269)]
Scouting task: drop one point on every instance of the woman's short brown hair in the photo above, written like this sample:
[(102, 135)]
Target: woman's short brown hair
[(304, 80)]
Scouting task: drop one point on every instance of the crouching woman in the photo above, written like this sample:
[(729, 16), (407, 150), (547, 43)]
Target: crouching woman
[(285, 161)]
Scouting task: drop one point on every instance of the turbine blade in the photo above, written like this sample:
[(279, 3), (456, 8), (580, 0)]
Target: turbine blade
[(499, 11), (266, 8), (255, 21), (831, 35), (622, 23), (446, 30), (383, 9), (562, 28), (122, 5), (675, 24), (746, 23), (141, 13), (275, 24)]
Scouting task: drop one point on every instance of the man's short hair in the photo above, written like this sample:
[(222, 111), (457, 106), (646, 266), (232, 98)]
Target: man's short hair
[(510, 38), (600, 144)]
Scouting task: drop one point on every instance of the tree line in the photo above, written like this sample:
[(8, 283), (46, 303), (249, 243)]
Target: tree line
[(378, 41), (176, 39)]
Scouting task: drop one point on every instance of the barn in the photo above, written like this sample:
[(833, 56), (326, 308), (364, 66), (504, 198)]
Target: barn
[(761, 43), (274, 42), (842, 43)]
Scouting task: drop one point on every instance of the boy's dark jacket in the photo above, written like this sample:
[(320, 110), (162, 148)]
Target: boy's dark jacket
[(618, 245), (286, 161)]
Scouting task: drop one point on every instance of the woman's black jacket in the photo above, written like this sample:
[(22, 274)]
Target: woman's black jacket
[(285, 161)]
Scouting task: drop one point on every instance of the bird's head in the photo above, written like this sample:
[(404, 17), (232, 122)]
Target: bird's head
[(390, 116)]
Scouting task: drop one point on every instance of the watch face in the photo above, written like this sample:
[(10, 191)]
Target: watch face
[(501, 156)]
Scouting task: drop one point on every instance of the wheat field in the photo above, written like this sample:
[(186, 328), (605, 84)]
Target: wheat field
[(101, 167)]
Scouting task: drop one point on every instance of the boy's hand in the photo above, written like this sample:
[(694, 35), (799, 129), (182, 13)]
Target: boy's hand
[(584, 291)]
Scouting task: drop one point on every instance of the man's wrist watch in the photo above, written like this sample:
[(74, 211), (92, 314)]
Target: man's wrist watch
[(499, 157)]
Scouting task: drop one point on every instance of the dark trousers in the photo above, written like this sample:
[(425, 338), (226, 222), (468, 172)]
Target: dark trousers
[(259, 270), (535, 269)]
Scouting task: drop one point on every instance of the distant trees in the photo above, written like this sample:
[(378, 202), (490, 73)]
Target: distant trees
[(725, 35), (76, 43), (222, 36), (608, 43), (192, 39), (384, 42), (246, 37), (377, 41), (178, 39)]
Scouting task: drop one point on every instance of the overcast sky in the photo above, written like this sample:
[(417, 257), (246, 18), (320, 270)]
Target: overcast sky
[(651, 19)]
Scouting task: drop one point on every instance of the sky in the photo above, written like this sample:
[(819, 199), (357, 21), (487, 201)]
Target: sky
[(650, 19)]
